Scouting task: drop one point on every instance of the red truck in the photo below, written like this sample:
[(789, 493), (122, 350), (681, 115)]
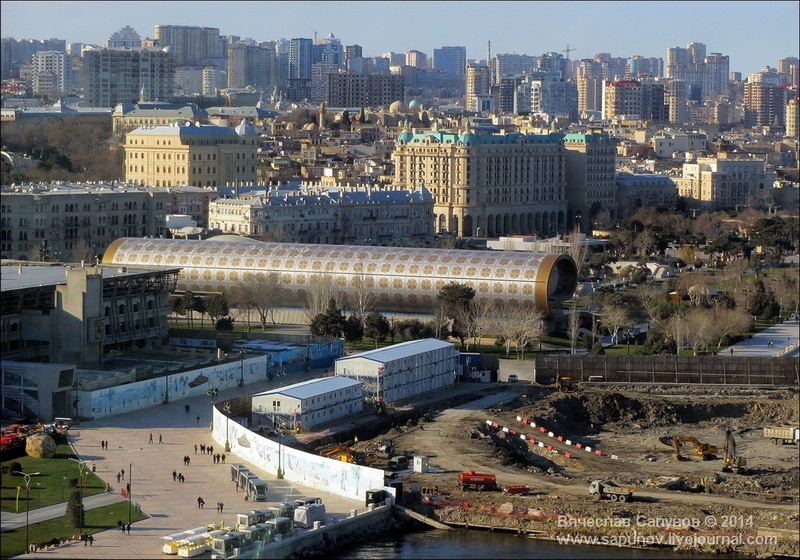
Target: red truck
[(471, 479)]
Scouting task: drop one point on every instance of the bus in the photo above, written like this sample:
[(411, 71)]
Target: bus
[(256, 489)]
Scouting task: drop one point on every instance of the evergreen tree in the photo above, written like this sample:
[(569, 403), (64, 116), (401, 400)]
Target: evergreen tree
[(74, 516)]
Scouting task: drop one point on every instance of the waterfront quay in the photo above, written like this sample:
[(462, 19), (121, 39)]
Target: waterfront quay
[(172, 506)]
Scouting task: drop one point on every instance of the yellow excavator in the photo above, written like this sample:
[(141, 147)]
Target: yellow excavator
[(705, 451), (344, 453), (731, 462)]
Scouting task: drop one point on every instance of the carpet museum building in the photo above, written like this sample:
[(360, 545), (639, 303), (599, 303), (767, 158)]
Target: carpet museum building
[(401, 279)]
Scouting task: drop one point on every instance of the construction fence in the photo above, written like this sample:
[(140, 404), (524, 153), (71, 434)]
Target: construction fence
[(722, 370)]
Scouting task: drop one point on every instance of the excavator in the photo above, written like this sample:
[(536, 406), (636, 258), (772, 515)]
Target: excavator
[(704, 450), (731, 462), (344, 453)]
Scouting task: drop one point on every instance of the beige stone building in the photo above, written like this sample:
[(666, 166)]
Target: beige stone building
[(73, 222), (191, 154), (128, 116), (591, 176), (726, 181), (362, 216), (486, 184)]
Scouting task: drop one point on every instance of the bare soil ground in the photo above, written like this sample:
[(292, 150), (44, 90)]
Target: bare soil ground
[(631, 423)]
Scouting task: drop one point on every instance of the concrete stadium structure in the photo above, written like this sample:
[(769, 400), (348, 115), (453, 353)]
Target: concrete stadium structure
[(401, 279)]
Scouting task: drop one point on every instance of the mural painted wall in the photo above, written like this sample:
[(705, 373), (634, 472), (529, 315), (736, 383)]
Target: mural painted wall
[(151, 392), (327, 475)]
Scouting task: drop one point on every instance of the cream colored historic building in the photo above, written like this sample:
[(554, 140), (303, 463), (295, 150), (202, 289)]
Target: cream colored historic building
[(330, 216), (486, 184), (591, 176), (191, 154), (726, 181)]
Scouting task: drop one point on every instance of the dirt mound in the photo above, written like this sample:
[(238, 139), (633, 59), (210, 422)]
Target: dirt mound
[(586, 414)]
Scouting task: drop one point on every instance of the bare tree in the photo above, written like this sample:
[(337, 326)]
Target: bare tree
[(574, 328), (578, 250), (481, 319), (440, 318), (321, 290), (262, 293), (363, 294), (614, 318), (699, 329), (729, 322)]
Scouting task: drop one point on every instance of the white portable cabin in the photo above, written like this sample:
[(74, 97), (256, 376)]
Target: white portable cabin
[(402, 370), (309, 403)]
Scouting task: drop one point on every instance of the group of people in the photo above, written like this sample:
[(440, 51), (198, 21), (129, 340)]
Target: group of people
[(187, 460), (160, 438), (124, 527), (219, 458), (103, 444), (120, 475), (205, 449), (178, 477)]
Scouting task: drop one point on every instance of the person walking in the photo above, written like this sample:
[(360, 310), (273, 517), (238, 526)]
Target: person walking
[(223, 458), (119, 477), (200, 502), (180, 477), (203, 448), (195, 449), (174, 476), (198, 419), (121, 527), (160, 439), (151, 438), (91, 540), (122, 472), (237, 484), (128, 528)]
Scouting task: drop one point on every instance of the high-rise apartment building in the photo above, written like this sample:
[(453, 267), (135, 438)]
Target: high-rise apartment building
[(364, 90), (642, 99), (192, 45), (553, 96), (191, 154), (300, 58), (125, 38), (328, 50), (485, 184), (52, 72), (351, 52), (251, 66), (16, 52), (715, 76), (319, 80), (512, 65), (112, 76), (452, 60), (477, 87), (590, 85), (790, 66), (676, 96), (792, 119), (765, 104), (417, 59)]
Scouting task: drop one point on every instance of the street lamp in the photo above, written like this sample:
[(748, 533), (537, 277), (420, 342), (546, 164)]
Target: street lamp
[(130, 476), (81, 468), (27, 505)]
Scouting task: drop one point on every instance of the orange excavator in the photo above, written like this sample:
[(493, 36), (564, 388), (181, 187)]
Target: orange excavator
[(343, 453), (705, 451)]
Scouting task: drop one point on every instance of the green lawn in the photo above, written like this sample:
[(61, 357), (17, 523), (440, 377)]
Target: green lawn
[(49, 486), (95, 520)]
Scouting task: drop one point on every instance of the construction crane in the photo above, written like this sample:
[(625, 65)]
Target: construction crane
[(568, 50), (731, 462), (704, 450)]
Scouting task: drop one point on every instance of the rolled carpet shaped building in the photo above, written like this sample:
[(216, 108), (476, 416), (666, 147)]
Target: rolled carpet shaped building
[(402, 279)]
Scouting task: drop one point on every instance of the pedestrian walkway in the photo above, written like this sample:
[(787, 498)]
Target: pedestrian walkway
[(779, 340), (171, 506)]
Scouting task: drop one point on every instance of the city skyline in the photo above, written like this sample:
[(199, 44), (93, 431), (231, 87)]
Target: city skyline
[(634, 28)]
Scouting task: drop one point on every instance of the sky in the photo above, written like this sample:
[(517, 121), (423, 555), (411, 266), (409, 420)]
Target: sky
[(754, 34)]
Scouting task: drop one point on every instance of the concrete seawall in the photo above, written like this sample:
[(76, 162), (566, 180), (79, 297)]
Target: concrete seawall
[(326, 536)]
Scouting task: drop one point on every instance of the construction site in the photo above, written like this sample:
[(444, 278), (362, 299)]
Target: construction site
[(706, 468)]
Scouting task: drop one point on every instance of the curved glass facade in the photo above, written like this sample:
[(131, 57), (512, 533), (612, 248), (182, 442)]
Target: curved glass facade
[(403, 279)]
